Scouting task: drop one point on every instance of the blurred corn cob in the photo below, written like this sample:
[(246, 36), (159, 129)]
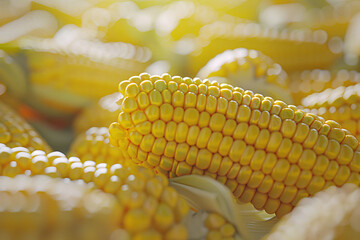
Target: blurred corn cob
[(248, 69), (310, 47), (44, 208), (15, 132), (341, 104), (94, 145), (66, 77), (307, 82), (330, 214), (334, 19), (150, 208), (100, 114), (267, 152)]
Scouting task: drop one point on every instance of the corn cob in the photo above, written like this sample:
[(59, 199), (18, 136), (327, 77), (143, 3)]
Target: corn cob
[(330, 214), (15, 132), (333, 19), (341, 104), (307, 82), (267, 152), (149, 206), (248, 69), (44, 208), (58, 73), (94, 145), (101, 114), (310, 47)]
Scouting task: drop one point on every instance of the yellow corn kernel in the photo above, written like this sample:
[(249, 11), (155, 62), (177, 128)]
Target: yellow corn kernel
[(341, 104), (15, 132)]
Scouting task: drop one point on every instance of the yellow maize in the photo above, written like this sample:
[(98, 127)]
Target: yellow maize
[(218, 227), (58, 74), (307, 82), (15, 132), (330, 214), (94, 145), (101, 114), (150, 208), (267, 152), (44, 208), (341, 104), (334, 19), (249, 69), (310, 47)]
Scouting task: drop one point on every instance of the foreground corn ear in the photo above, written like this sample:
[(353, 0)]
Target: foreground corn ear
[(150, 209), (16, 132), (94, 145), (305, 83), (100, 114), (267, 152), (341, 104), (44, 208), (248, 69), (311, 48), (330, 214)]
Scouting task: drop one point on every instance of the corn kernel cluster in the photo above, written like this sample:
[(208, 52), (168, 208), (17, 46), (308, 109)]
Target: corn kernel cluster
[(44, 208), (249, 69), (100, 114), (341, 104), (15, 132), (94, 145), (219, 227), (150, 209), (267, 152)]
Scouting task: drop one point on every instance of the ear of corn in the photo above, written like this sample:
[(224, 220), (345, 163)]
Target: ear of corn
[(330, 214), (15, 132), (100, 114), (267, 152), (58, 73), (334, 19), (310, 47), (94, 145), (307, 82), (248, 69), (148, 206), (341, 104), (44, 208)]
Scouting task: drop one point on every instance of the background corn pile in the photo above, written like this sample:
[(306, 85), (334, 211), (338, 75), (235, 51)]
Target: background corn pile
[(169, 119)]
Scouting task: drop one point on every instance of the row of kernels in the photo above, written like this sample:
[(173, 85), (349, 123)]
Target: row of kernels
[(47, 206), (15, 132), (94, 145), (131, 185)]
